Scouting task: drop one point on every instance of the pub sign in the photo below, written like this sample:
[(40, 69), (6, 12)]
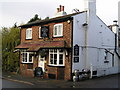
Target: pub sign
[(45, 31)]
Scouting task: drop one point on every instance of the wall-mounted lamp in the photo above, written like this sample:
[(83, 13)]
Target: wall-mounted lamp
[(68, 21), (85, 24)]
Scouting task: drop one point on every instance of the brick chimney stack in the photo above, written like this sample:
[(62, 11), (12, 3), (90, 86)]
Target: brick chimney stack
[(60, 11), (62, 8)]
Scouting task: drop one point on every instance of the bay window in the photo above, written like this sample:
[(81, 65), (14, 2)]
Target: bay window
[(56, 57)]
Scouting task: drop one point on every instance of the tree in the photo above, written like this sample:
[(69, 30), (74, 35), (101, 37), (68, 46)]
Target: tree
[(10, 39), (46, 18), (34, 18)]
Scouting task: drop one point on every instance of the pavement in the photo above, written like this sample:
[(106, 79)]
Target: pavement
[(32, 80), (19, 78), (106, 81)]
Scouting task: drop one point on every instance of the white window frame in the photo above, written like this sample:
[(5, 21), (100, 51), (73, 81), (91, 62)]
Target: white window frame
[(28, 54), (59, 32), (58, 53), (40, 32), (29, 33)]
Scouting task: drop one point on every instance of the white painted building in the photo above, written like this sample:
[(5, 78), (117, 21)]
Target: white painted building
[(119, 13), (96, 42)]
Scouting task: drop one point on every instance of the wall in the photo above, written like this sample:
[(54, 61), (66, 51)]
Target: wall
[(79, 39), (93, 40), (67, 34), (119, 13), (35, 33)]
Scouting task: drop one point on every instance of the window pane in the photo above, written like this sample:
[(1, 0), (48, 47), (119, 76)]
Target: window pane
[(24, 57), (30, 57), (51, 58), (55, 30), (30, 34), (55, 58), (55, 50), (51, 50), (59, 30), (61, 50), (61, 59), (27, 33)]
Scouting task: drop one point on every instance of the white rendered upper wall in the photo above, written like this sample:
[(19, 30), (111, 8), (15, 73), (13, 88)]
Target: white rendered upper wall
[(90, 5), (119, 13)]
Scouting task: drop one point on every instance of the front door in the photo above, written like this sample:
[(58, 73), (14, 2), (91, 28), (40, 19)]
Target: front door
[(41, 62)]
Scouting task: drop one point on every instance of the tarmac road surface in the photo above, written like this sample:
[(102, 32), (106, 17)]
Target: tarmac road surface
[(111, 81)]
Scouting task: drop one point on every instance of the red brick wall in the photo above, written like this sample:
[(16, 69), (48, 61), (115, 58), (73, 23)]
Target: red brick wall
[(35, 33), (67, 34), (24, 68)]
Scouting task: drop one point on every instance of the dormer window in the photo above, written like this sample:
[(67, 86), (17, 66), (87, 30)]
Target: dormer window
[(29, 33), (58, 30)]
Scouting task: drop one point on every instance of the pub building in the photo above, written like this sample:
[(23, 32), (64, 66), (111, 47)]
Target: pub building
[(64, 43)]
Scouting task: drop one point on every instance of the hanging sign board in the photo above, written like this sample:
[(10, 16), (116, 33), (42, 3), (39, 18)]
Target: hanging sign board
[(76, 53), (45, 31), (76, 50), (76, 59)]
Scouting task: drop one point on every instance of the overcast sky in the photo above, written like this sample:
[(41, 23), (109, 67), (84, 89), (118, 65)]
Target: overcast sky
[(12, 11)]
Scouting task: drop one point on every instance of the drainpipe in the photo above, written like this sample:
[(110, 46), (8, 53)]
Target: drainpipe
[(116, 46), (91, 71), (115, 42)]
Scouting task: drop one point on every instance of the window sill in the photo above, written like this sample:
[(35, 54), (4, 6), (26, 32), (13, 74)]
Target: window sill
[(56, 65), (57, 36), (29, 39), (26, 62)]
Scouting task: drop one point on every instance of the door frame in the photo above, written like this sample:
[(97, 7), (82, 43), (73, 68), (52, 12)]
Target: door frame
[(42, 61)]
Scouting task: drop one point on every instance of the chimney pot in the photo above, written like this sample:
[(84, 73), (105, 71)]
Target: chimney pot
[(115, 22), (60, 7)]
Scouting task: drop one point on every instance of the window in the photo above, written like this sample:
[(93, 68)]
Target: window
[(27, 57), (29, 33), (43, 31), (106, 57), (56, 57), (58, 30)]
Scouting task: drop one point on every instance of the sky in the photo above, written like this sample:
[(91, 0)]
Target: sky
[(20, 12)]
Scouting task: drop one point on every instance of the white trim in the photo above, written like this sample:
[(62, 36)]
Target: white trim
[(29, 33), (40, 32), (61, 31), (28, 53), (41, 60)]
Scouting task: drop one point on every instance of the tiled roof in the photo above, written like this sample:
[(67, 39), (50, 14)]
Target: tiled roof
[(43, 44), (38, 22)]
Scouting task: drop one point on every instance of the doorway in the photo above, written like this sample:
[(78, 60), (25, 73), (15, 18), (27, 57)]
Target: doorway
[(41, 62)]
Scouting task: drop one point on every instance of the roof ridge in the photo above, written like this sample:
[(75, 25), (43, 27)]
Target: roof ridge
[(51, 19)]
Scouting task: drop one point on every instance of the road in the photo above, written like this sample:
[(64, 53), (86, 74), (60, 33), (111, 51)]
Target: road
[(13, 84), (102, 82)]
